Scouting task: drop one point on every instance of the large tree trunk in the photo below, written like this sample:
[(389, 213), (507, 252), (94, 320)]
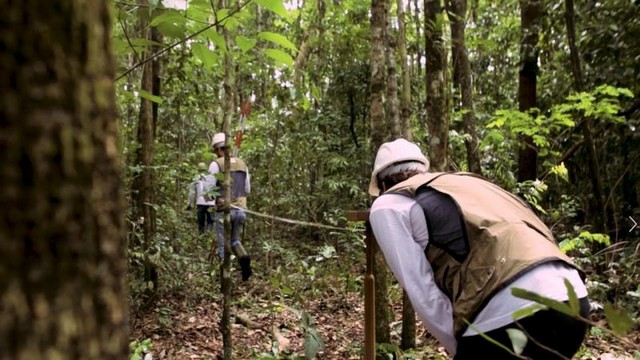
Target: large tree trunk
[(462, 80), (62, 245), (594, 167), (531, 16), (378, 136), (437, 120)]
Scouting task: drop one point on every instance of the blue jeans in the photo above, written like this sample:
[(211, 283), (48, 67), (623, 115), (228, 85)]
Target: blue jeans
[(238, 217)]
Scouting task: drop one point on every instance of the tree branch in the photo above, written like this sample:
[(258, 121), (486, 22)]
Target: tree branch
[(166, 49)]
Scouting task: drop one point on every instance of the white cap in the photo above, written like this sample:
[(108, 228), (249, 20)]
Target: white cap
[(394, 152), (218, 140)]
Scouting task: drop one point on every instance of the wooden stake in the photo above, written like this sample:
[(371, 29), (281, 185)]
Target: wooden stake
[(369, 286)]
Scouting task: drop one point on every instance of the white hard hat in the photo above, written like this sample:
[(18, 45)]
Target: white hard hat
[(218, 140), (393, 152)]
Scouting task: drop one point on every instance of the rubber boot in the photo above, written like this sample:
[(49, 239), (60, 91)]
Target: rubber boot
[(245, 261)]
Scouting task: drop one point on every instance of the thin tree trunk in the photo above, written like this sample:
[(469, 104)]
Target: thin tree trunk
[(405, 98), (462, 80), (408, 336), (306, 47), (225, 267), (392, 81), (156, 76), (62, 241), (594, 167), (378, 131), (142, 186), (419, 33), (531, 16), (438, 138)]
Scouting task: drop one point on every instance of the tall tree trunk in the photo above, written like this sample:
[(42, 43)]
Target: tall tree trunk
[(306, 47), (156, 75), (531, 18), (594, 167), (462, 80), (62, 244), (405, 98), (392, 80), (225, 266), (142, 186), (378, 131), (438, 138), (419, 33), (400, 129)]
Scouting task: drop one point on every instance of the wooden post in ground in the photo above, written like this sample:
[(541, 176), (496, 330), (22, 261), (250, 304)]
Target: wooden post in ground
[(369, 287)]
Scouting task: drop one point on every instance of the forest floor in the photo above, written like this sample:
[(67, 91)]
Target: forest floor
[(181, 327)]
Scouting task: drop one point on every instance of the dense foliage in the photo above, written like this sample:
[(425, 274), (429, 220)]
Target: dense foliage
[(304, 67)]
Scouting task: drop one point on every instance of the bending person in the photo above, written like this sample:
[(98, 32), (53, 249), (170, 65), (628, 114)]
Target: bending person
[(458, 244)]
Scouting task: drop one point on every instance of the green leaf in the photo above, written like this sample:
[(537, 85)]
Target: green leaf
[(278, 39), (528, 311), (573, 298), (518, 340), (217, 39), (245, 43), (140, 42), (619, 319), (275, 6), (169, 16), (149, 96), (312, 343), (171, 30), (287, 291), (550, 303), (279, 56), (204, 54)]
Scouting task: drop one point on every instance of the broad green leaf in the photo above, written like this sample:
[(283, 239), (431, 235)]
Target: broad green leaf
[(518, 340), (222, 14), (205, 54), (277, 39), (217, 39), (553, 304), (149, 96), (619, 319), (169, 16), (275, 6), (287, 291), (245, 43), (279, 56), (312, 343), (171, 30)]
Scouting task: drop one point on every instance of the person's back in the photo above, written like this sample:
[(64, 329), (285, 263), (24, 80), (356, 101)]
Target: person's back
[(204, 190), (240, 189), (458, 245)]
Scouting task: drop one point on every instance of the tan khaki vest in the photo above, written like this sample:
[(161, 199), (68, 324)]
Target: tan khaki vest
[(239, 172), (500, 239)]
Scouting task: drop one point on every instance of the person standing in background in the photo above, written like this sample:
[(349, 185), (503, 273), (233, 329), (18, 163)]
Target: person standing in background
[(240, 189)]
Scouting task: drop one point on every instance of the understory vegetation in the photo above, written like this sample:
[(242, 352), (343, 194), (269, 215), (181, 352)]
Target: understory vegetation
[(305, 69)]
